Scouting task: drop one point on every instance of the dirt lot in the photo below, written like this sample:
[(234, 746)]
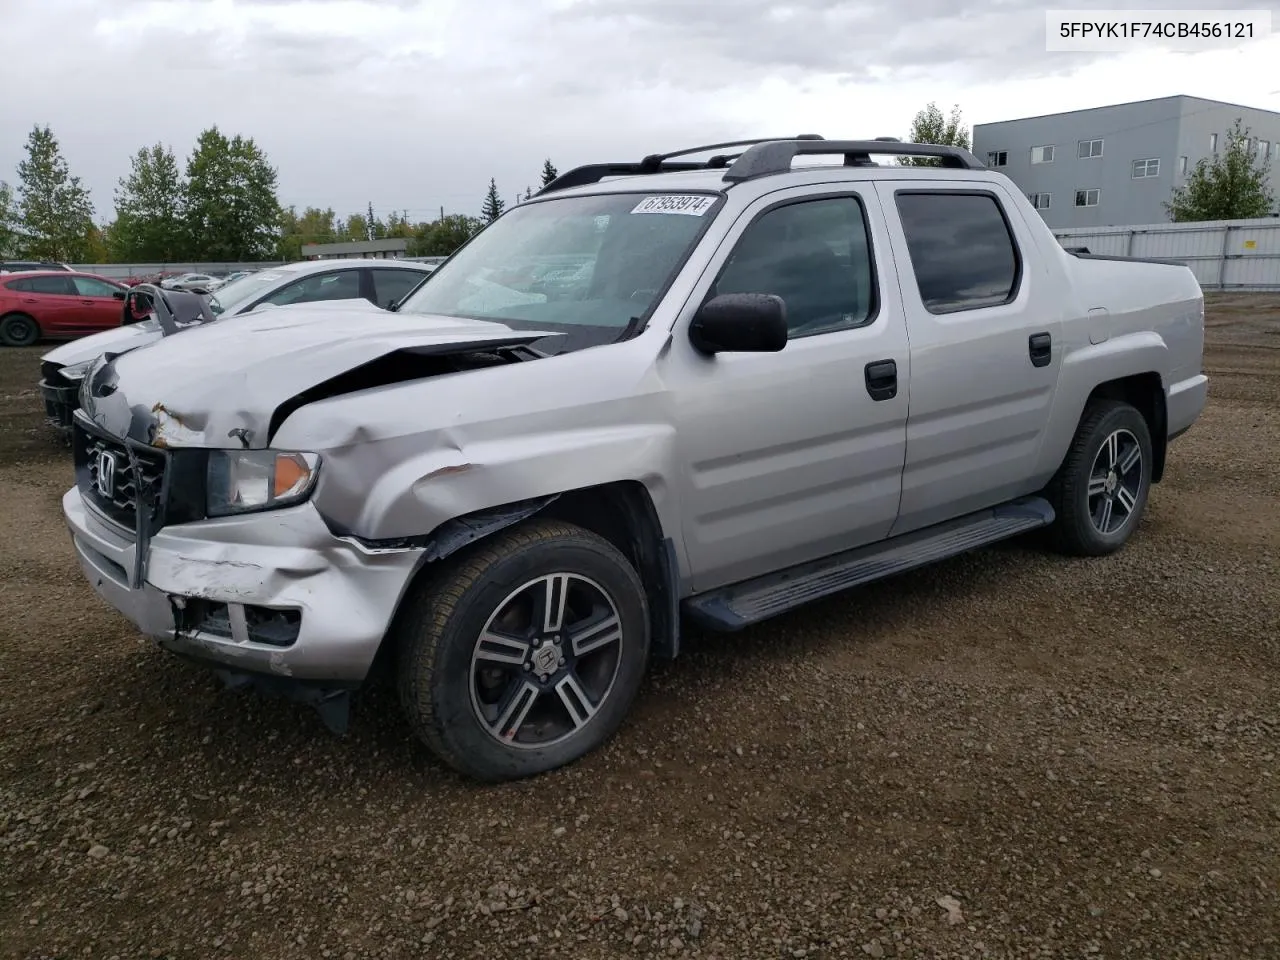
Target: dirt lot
[(1081, 754)]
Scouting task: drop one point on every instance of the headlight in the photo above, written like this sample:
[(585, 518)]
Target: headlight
[(75, 371), (241, 481)]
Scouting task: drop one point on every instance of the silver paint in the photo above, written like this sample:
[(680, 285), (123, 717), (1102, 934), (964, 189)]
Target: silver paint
[(752, 461)]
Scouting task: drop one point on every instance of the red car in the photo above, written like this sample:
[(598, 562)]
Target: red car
[(57, 305)]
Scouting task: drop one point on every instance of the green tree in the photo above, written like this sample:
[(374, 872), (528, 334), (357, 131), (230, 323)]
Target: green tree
[(313, 226), (354, 228), (55, 210), (446, 235), (930, 126), (230, 206), (148, 223), (549, 172), (1234, 185), (493, 203), (10, 235)]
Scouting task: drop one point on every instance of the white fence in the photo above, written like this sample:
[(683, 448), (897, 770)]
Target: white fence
[(1223, 254)]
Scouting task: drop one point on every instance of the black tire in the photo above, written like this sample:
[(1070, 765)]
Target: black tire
[(438, 633), (1077, 530), (18, 330)]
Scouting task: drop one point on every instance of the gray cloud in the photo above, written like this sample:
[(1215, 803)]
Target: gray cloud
[(414, 104)]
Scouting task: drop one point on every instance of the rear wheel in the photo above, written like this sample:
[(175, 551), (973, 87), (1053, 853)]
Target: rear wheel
[(1100, 491), (527, 654), (18, 330)]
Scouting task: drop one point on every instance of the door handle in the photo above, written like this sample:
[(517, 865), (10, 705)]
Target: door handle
[(30, 300), (882, 379), (88, 303), (1040, 346)]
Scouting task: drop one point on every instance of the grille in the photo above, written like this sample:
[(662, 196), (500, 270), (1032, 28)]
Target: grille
[(96, 454)]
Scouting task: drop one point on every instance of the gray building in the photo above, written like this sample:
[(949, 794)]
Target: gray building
[(1118, 164), (375, 249)]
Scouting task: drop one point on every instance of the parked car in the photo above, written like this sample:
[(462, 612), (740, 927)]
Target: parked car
[(23, 266), (775, 382), (56, 304), (380, 282), (197, 282)]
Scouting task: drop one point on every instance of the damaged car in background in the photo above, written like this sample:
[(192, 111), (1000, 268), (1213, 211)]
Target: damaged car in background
[(512, 489), (379, 283)]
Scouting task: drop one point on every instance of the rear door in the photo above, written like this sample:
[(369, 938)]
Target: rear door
[(985, 345), (52, 300), (99, 309)]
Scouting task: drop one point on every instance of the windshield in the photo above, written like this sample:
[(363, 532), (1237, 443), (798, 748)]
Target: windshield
[(237, 293), (586, 266)]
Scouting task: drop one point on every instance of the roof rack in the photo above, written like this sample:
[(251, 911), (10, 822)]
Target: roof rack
[(766, 159), (661, 163)]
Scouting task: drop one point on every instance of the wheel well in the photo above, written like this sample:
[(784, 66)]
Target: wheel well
[(622, 513), (1144, 392)]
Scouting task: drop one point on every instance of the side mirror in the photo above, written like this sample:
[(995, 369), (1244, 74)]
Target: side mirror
[(118, 294), (740, 323)]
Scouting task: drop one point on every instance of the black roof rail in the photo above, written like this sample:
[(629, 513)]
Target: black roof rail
[(776, 156), (661, 163)]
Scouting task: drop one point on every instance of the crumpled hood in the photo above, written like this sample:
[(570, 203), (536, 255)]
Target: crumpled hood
[(115, 340), (219, 384)]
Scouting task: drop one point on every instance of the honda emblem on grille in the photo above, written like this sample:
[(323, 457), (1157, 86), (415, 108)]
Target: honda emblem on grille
[(106, 474)]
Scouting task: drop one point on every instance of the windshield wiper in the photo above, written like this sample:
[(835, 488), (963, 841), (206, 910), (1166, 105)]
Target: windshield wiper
[(629, 330)]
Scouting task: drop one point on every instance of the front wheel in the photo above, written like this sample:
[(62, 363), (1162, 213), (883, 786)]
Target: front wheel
[(1100, 491), (526, 654)]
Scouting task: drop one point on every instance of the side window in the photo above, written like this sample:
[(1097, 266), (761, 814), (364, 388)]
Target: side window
[(962, 251), (92, 287), (390, 285), (343, 285), (58, 285), (816, 256), (22, 286)]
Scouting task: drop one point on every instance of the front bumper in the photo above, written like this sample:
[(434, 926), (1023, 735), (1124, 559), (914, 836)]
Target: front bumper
[(60, 402), (203, 590)]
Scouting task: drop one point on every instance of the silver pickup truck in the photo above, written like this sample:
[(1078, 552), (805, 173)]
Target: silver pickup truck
[(702, 389)]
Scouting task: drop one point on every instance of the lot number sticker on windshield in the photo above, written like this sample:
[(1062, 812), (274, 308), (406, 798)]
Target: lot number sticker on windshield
[(690, 206)]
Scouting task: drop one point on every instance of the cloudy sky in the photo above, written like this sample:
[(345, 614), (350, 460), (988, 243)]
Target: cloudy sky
[(414, 104)]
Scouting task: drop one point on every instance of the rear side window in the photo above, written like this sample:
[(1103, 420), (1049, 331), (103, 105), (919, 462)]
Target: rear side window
[(60, 285), (390, 286), (962, 251)]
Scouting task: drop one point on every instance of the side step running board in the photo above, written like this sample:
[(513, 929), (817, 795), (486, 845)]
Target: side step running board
[(741, 604)]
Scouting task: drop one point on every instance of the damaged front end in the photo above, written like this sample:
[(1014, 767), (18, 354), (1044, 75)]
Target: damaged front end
[(186, 520)]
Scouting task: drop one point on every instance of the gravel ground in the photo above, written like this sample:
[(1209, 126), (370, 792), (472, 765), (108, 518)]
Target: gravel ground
[(1009, 755)]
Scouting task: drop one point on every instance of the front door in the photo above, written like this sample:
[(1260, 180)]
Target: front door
[(986, 346), (98, 308), (787, 457)]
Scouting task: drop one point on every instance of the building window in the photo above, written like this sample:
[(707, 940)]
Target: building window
[(1087, 198), (1182, 166), (1090, 148), (998, 158), (1146, 168), (1040, 201), (1042, 154), (1264, 149), (1213, 143)]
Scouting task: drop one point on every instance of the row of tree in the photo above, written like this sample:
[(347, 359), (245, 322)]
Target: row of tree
[(221, 205), (1233, 184)]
